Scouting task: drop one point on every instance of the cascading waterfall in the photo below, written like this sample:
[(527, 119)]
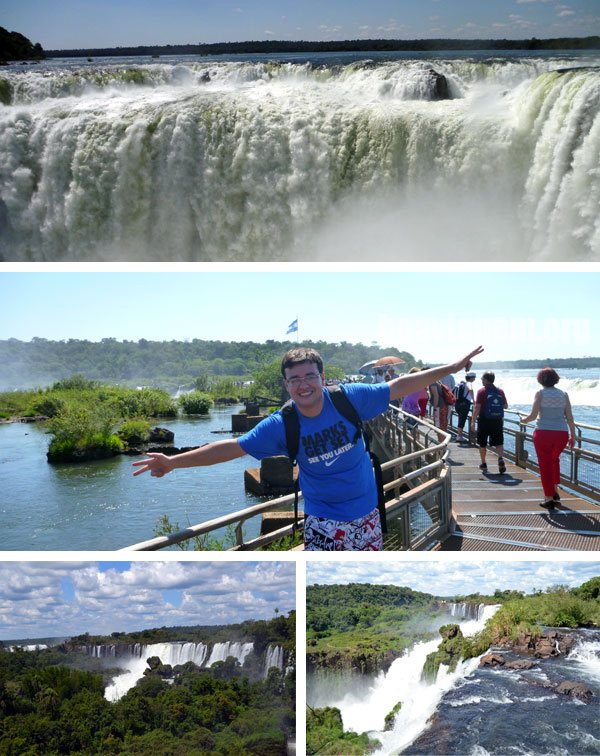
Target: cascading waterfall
[(365, 711), (243, 161), (273, 658), (467, 611), (173, 654)]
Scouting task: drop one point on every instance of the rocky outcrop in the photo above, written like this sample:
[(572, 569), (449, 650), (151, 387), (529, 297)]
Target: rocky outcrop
[(551, 643), (492, 660), (157, 668), (439, 85), (576, 690), (161, 436)]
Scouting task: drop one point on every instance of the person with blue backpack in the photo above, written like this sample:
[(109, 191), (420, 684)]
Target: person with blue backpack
[(488, 413), (336, 473)]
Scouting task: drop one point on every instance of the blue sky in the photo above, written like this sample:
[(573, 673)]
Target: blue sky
[(434, 316), (106, 23), (39, 599), (446, 578)]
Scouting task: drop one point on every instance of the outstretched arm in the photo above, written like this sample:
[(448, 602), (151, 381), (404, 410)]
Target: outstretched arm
[(408, 384), (210, 454)]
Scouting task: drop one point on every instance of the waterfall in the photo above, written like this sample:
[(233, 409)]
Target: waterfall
[(221, 651), (234, 161), (366, 710), (467, 611), (169, 653), (273, 658)]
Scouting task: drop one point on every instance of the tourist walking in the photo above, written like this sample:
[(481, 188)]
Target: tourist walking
[(336, 474), (554, 429), (488, 414), (464, 399)]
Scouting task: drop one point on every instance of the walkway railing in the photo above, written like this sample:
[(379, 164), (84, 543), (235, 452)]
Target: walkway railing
[(416, 482), (579, 467)]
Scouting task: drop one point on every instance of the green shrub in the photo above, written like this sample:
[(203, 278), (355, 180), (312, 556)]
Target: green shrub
[(50, 406), (195, 403), (146, 402), (135, 431)]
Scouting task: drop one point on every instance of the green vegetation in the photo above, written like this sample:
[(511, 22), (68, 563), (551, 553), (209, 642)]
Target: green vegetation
[(195, 403), (85, 415), (363, 627), (135, 431), (454, 648), (325, 734), (166, 363), (57, 710), (390, 717), (14, 46), (557, 607)]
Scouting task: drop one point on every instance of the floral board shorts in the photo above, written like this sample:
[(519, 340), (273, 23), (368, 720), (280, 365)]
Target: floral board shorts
[(364, 534)]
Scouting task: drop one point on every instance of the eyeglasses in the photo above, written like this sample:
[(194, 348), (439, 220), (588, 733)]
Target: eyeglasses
[(308, 378)]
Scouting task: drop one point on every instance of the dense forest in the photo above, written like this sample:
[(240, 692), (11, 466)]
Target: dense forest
[(26, 364), (14, 46), (58, 710), (270, 47), (49, 705), (363, 627)]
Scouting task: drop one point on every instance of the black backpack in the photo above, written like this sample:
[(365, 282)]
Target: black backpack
[(344, 406)]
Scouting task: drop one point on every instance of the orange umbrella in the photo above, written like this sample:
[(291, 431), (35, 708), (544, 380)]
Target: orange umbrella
[(387, 361)]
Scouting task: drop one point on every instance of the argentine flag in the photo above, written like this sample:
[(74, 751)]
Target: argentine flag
[(293, 326)]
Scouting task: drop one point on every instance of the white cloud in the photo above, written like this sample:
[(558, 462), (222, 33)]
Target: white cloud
[(566, 13), (33, 603)]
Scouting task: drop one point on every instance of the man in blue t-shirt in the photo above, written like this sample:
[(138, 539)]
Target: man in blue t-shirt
[(336, 475)]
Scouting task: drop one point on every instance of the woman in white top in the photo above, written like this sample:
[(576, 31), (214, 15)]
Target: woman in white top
[(554, 430)]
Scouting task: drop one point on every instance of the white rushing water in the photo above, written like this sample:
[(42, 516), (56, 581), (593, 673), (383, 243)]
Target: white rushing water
[(586, 654), (244, 161), (366, 711)]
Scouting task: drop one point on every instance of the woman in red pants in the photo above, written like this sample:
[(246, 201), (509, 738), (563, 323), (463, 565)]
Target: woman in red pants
[(554, 430)]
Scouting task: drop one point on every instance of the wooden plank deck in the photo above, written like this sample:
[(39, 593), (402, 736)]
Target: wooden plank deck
[(498, 512)]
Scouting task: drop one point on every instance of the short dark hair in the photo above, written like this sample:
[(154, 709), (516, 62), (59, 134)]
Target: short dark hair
[(548, 377), (488, 376), (298, 355)]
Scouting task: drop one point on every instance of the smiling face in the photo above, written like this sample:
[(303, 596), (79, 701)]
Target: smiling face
[(305, 386)]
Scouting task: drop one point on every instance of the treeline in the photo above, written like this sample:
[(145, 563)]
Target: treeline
[(270, 47), (56, 710), (280, 630), (26, 364), (14, 46)]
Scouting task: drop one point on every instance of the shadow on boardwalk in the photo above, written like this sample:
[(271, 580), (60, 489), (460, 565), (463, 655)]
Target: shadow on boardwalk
[(494, 512)]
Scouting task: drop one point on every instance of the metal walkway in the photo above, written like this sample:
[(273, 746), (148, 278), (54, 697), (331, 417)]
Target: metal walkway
[(498, 512)]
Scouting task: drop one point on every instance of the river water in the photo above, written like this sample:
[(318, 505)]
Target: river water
[(100, 505), (474, 711), (302, 158)]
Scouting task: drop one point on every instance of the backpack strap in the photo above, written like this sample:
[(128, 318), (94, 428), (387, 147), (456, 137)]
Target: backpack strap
[(344, 406), (291, 424)]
